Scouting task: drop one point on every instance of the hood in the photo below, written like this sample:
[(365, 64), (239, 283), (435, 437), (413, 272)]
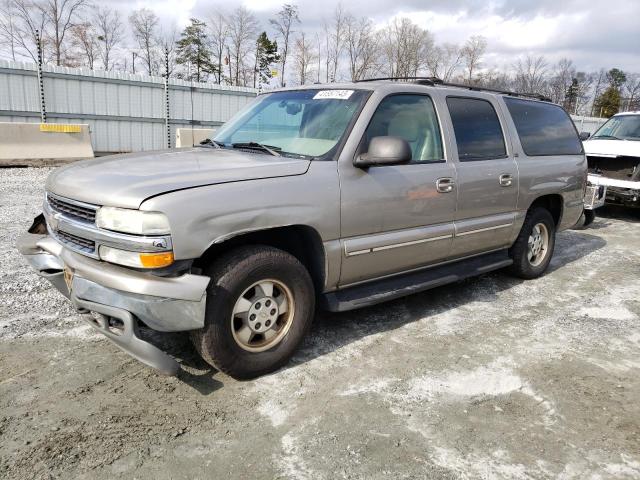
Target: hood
[(612, 148), (128, 180)]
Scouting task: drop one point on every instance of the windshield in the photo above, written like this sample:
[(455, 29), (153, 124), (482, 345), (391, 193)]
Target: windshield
[(299, 123), (623, 127)]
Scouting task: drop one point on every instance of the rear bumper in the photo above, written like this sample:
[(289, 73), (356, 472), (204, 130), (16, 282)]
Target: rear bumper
[(111, 292)]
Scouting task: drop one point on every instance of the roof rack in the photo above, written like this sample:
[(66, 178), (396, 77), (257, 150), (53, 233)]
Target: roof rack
[(435, 81), (420, 80)]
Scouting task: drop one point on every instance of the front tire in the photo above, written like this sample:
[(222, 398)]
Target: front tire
[(589, 217), (260, 305), (586, 219), (533, 249)]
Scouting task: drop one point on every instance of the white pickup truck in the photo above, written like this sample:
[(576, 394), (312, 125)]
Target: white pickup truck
[(613, 154)]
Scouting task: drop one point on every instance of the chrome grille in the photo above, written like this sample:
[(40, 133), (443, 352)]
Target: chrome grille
[(75, 242), (73, 210)]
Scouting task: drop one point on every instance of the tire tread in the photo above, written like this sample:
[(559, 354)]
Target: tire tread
[(518, 251), (221, 271)]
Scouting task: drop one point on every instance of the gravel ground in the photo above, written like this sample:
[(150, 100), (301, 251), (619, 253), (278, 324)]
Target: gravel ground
[(488, 378)]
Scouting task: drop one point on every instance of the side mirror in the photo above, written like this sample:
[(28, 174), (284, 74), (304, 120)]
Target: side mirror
[(584, 136), (384, 151)]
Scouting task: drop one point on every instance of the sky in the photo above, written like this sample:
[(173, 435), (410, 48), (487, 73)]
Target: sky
[(594, 34)]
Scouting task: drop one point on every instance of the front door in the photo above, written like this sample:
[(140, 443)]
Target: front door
[(487, 177), (395, 218)]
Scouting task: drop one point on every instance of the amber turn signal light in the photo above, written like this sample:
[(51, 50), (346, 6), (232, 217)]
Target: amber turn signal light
[(156, 260)]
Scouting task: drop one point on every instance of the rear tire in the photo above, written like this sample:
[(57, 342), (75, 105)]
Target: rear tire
[(260, 305), (533, 249)]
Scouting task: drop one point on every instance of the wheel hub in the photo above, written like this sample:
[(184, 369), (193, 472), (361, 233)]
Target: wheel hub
[(538, 244), (263, 314)]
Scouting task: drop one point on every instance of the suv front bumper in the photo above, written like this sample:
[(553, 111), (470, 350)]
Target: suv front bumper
[(626, 192), (120, 297)]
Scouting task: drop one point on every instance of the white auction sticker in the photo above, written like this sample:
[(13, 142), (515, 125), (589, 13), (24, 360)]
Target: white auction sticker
[(333, 95)]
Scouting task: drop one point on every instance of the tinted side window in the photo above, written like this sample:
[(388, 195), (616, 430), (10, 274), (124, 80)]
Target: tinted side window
[(477, 128), (413, 118), (543, 128)]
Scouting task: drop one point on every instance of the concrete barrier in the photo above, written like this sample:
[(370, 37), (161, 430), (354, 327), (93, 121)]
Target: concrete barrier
[(189, 137), (35, 144)]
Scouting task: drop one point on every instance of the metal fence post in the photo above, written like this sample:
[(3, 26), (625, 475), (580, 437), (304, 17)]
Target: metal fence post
[(166, 97), (43, 109)]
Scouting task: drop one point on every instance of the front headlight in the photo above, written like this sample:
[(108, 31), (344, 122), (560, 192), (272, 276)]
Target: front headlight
[(132, 221), (135, 259)]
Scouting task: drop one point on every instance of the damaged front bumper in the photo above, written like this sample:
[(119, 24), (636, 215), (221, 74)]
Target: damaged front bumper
[(119, 297), (601, 189)]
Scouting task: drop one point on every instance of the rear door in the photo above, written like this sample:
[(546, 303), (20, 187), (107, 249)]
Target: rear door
[(487, 176), (550, 157)]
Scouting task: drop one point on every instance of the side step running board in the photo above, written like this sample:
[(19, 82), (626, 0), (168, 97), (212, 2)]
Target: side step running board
[(401, 285)]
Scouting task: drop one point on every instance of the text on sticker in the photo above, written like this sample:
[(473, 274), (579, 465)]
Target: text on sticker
[(333, 95)]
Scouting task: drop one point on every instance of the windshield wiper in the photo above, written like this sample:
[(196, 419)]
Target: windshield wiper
[(207, 142), (270, 149), (609, 137)]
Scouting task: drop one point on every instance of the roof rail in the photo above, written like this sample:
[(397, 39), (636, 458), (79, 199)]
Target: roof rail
[(421, 80), (435, 81)]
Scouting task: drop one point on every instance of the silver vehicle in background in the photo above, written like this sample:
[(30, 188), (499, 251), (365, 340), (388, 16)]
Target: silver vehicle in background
[(340, 196)]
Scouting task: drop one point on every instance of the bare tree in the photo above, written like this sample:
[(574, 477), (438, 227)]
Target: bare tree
[(144, 24), (305, 57), (404, 47), (243, 28), (167, 40), (361, 46), (531, 74), (108, 24), (20, 21), (632, 92), (219, 35), (493, 78), (62, 15), (85, 40), (443, 61), (327, 49), (472, 53), (8, 29), (600, 82), (319, 59), (336, 32), (283, 25), (562, 77), (451, 60), (585, 82)]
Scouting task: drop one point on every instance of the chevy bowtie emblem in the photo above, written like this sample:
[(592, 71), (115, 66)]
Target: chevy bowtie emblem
[(160, 243)]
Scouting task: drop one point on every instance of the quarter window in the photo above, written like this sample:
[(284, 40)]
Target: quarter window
[(413, 118), (543, 128), (477, 129)]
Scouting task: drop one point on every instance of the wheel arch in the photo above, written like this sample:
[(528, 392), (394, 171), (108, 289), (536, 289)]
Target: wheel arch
[(301, 241), (553, 202)]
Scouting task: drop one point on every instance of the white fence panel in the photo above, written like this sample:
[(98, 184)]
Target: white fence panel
[(125, 112), (587, 124)]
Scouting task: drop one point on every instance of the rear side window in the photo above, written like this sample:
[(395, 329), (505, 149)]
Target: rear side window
[(477, 128), (543, 128)]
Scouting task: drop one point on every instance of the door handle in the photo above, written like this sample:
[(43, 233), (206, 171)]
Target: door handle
[(506, 180), (444, 185)]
